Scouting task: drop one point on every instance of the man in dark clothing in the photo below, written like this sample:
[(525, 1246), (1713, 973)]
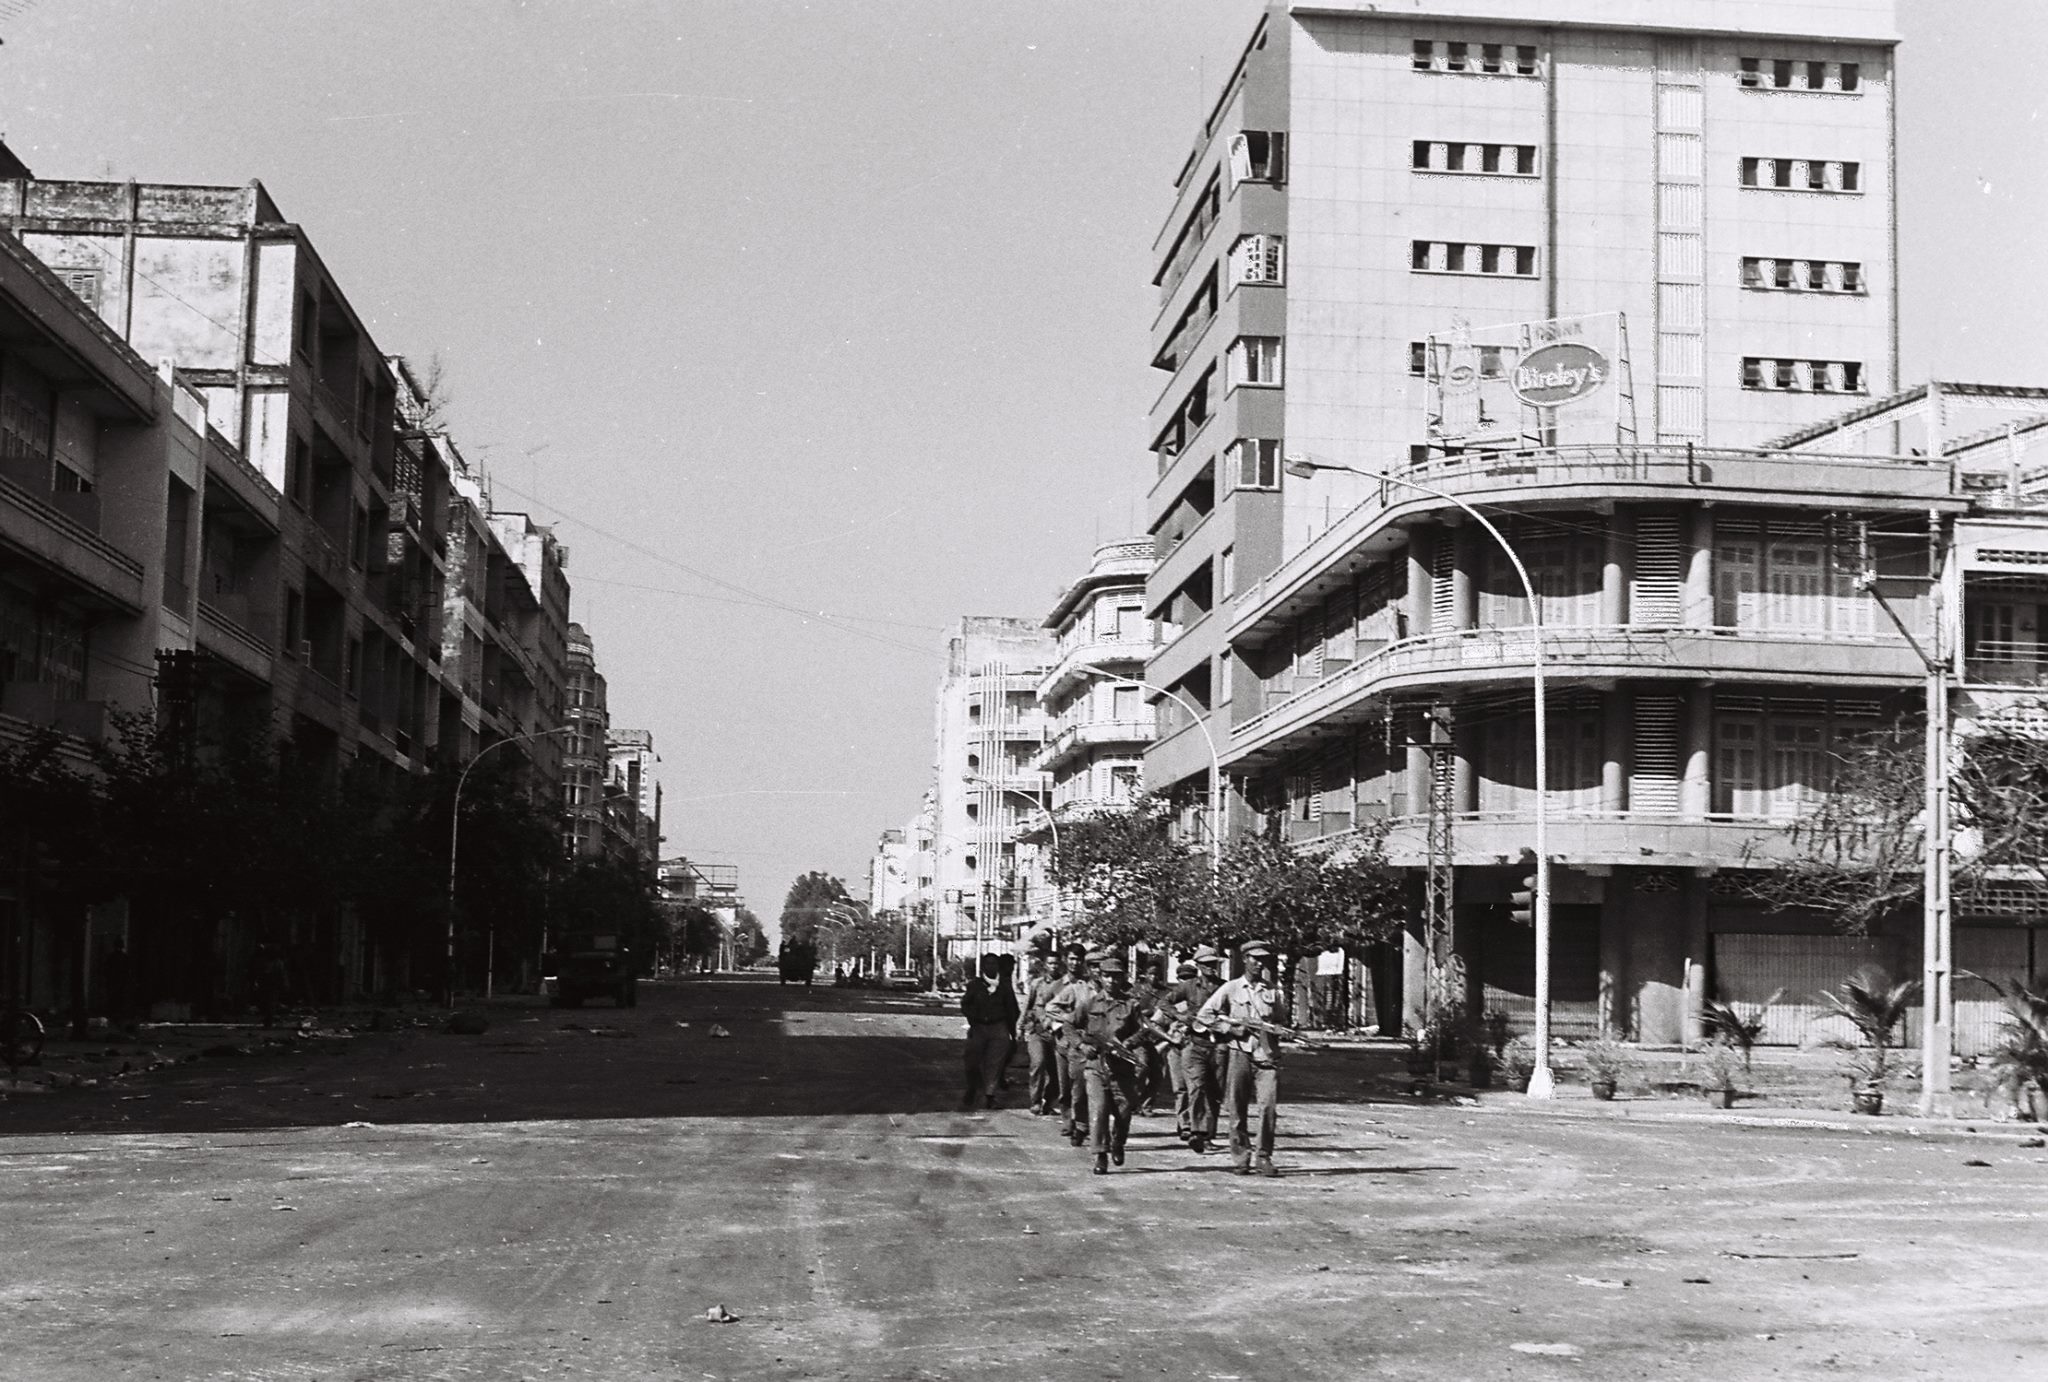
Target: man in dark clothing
[(990, 1007), (1103, 1024), (1201, 1058)]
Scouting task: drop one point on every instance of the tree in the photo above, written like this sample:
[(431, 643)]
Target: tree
[(1134, 881), (1306, 903), (749, 940), (1859, 854), (812, 898)]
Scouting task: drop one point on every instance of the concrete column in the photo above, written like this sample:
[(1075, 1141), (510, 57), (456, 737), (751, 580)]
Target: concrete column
[(1416, 604), (1617, 723), (1694, 993), (1695, 791), (1699, 570), (1469, 559), (1418, 780), (1617, 1016), (1414, 975), (1464, 772), (1617, 563)]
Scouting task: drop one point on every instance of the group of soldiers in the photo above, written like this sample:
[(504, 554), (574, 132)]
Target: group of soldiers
[(1104, 1047)]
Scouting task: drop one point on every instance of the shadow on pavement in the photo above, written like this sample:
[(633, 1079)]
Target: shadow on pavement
[(790, 1053)]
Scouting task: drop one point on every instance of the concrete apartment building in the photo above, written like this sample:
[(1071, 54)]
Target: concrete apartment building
[(1096, 728), (122, 516), (1389, 210), (988, 729), (216, 281), (632, 796), (585, 765)]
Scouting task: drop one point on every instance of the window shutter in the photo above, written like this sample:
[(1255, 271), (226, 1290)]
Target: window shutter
[(1654, 773), (1657, 589)]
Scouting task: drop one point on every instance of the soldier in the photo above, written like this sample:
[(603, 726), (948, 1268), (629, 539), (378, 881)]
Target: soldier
[(1241, 1009), (1169, 1026), (1200, 1056), (1073, 1093), (990, 1007), (1041, 1034), (1103, 1023)]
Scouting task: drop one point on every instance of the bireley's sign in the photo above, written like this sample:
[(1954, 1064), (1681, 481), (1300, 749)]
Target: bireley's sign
[(1559, 373)]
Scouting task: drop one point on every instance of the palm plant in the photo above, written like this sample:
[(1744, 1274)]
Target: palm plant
[(1724, 1022), (1875, 1006), (2019, 1059)]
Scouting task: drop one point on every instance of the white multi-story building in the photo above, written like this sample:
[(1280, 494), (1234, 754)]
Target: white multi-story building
[(985, 789), (1096, 725)]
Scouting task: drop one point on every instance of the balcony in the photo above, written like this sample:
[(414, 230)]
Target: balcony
[(2006, 662), (1585, 474), (37, 527), (1611, 838), (1076, 738), (1180, 754), (1476, 657), (1075, 661), (224, 632)]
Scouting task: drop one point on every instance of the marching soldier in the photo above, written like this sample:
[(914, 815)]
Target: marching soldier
[(1246, 1010), (1169, 1029), (1103, 1023), (1041, 1033), (1073, 1091), (1200, 1055)]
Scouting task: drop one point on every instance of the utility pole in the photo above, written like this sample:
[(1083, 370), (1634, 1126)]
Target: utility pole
[(1937, 938)]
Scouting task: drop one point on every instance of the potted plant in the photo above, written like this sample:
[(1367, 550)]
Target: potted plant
[(1518, 1063), (1875, 1006), (1727, 1023), (1608, 1063), (1719, 1078), (2019, 1057)]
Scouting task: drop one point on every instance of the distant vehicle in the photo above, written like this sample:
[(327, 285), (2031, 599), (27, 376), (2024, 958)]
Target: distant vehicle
[(592, 964), (796, 962)]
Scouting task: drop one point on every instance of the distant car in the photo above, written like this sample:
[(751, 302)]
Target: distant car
[(796, 963), (592, 965)]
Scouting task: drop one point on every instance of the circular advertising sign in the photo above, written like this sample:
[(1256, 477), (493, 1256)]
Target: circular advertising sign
[(1562, 372)]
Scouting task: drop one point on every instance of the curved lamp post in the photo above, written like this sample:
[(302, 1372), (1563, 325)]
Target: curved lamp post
[(455, 838), (1541, 1082), (1051, 824)]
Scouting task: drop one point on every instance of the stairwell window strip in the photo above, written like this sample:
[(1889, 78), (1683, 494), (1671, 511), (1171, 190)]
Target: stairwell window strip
[(1254, 360), (1252, 463)]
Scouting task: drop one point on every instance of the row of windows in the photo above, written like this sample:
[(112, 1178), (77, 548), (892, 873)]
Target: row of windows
[(1485, 59), (1458, 257), (1802, 174), (1507, 160), (1803, 275), (1803, 376), (1793, 74)]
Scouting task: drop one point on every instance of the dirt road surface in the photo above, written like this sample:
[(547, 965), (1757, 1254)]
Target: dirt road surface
[(567, 1195)]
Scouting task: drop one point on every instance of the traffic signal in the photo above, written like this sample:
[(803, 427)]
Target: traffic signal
[(1522, 902)]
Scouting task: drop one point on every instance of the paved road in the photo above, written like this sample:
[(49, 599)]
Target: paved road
[(565, 1197)]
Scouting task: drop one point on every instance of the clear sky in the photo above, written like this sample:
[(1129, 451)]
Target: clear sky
[(832, 307)]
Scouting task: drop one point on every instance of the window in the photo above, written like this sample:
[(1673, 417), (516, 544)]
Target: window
[(294, 623), (1802, 376), (1489, 57), (1851, 76), (1525, 60), (1798, 74), (1500, 160), (1852, 278), (1258, 156), (1802, 275), (1802, 174), (1254, 360), (1477, 59), (1457, 257), (1257, 259), (177, 533), (84, 283), (1454, 56), (1253, 463), (1425, 55), (1226, 572), (1751, 73), (1781, 73), (1418, 358)]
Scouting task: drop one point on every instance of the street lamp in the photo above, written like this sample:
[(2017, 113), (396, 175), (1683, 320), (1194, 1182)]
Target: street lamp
[(1051, 824), (1215, 759), (1541, 1084), (455, 839)]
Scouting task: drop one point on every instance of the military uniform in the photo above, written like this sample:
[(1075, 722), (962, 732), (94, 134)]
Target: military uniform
[(1252, 1072), (1201, 1056), (1103, 1024), (1073, 1092), (1170, 1017), (1041, 1039)]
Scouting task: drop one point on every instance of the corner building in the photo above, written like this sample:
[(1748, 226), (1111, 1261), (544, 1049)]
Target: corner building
[(1386, 209)]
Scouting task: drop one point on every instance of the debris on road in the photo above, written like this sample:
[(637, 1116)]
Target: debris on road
[(718, 1314), (1601, 1283), (1791, 1256), (718, 1030), (1976, 1161), (1548, 1350)]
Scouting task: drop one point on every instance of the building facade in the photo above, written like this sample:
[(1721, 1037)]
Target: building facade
[(988, 730), (1605, 277), (585, 766), (1097, 727)]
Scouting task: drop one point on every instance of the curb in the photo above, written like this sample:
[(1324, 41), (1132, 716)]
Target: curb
[(1939, 1129)]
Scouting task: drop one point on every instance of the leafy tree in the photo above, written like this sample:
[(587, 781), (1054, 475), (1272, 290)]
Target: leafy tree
[(749, 939), (1859, 854), (1134, 881), (812, 898), (616, 896)]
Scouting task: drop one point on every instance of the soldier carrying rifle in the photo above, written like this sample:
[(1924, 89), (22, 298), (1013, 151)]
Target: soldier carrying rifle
[(1102, 1025), (1250, 1013)]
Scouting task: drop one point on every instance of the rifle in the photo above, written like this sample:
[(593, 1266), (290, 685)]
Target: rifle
[(1115, 1050), (1273, 1029)]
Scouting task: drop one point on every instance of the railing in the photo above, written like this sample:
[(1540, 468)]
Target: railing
[(1564, 646), (2006, 662), (1097, 732), (47, 512), (1473, 473)]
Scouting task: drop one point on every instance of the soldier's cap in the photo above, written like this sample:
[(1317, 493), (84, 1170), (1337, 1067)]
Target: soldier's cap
[(1095, 956), (1112, 964), (1184, 967), (1074, 948), (1208, 955), (1251, 948)]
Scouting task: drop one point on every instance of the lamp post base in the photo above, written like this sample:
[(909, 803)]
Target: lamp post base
[(1541, 1083)]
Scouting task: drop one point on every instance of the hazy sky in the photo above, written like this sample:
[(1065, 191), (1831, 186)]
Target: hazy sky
[(833, 307)]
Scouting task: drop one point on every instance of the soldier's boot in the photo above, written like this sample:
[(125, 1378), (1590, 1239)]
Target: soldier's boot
[(1101, 1164), (1267, 1168)]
